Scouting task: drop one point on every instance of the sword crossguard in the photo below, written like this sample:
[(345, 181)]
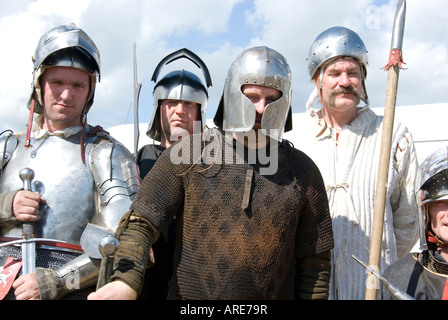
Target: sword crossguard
[(14, 242)]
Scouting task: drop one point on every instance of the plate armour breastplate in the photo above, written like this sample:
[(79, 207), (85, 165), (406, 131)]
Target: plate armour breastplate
[(63, 181)]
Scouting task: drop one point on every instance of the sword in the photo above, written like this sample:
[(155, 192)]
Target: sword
[(28, 247), (28, 243), (396, 292)]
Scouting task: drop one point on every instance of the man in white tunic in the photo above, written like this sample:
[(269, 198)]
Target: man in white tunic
[(345, 141)]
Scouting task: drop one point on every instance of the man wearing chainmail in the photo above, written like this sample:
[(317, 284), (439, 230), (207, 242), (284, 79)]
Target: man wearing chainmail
[(180, 101), (252, 217), (424, 275)]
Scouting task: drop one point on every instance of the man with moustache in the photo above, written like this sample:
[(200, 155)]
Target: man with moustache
[(344, 140)]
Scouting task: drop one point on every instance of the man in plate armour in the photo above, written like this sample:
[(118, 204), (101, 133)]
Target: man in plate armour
[(65, 180)]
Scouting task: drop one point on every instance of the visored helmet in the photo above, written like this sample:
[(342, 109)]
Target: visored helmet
[(65, 46), (260, 66), (178, 85), (433, 186)]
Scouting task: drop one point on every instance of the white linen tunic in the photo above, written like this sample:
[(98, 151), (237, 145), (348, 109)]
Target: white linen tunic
[(350, 170)]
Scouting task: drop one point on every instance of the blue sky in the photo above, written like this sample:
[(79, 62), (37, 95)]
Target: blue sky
[(217, 31)]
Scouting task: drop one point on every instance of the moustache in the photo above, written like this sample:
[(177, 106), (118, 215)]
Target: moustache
[(343, 90)]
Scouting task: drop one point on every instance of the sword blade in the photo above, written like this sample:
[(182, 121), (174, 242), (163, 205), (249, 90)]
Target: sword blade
[(28, 257)]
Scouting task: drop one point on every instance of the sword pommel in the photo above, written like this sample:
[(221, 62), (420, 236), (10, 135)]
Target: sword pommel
[(108, 247), (27, 176)]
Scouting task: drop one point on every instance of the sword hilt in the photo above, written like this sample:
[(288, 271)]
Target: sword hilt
[(27, 176), (108, 247)]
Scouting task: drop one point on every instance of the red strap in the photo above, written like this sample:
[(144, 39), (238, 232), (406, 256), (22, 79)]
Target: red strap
[(29, 125), (83, 151), (432, 238)]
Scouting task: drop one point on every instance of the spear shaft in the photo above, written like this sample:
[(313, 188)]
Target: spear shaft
[(393, 67)]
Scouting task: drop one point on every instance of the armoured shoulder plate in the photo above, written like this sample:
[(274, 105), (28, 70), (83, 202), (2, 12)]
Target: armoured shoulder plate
[(8, 143), (116, 177)]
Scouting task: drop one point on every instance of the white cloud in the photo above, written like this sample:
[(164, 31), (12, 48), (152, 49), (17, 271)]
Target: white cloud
[(217, 34)]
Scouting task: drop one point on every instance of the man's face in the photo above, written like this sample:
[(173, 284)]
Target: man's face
[(438, 212), (341, 84), (260, 96), (64, 91), (177, 118)]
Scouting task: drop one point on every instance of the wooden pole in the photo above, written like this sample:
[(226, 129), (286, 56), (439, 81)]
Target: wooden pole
[(393, 66), (383, 175)]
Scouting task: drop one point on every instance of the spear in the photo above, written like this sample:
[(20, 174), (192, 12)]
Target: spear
[(394, 290), (393, 66), (137, 88)]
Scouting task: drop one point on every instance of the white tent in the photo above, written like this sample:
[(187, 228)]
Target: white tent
[(427, 123)]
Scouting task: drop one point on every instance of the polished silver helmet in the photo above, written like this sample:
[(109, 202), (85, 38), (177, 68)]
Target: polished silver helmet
[(260, 66), (65, 46), (333, 43), (433, 186), (178, 85)]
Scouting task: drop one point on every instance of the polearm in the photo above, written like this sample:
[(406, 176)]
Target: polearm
[(137, 88), (394, 290), (393, 66)]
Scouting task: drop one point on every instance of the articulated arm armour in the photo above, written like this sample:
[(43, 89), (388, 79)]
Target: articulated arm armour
[(116, 179)]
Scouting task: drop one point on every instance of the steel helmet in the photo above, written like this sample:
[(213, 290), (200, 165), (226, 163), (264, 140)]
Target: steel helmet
[(260, 66), (65, 46), (433, 186), (333, 43), (178, 85)]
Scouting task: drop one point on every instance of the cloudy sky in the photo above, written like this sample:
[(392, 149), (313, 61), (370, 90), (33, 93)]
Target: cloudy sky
[(217, 31)]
